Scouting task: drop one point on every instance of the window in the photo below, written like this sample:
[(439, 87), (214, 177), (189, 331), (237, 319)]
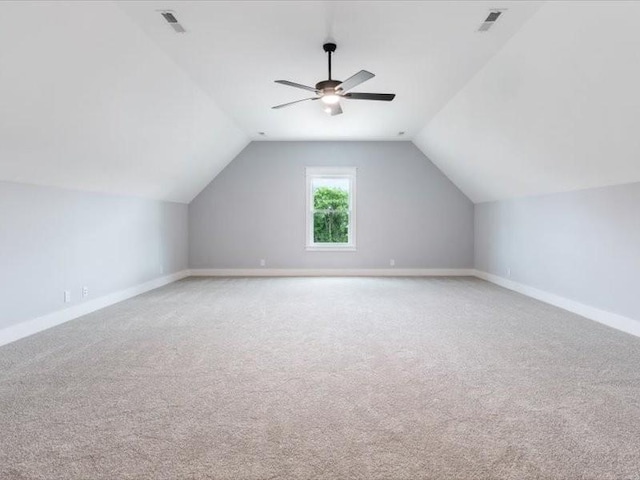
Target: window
[(331, 208)]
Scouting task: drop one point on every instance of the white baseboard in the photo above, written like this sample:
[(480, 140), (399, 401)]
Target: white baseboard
[(619, 322), (24, 329), (332, 272), (29, 327)]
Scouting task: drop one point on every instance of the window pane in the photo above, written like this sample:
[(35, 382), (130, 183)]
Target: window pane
[(331, 226), (331, 210), (331, 193)]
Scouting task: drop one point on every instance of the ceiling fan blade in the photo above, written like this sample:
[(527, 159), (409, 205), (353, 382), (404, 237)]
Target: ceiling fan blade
[(336, 109), (297, 101), (384, 97), (297, 85), (355, 80)]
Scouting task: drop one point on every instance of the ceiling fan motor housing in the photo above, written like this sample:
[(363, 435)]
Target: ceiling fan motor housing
[(328, 86)]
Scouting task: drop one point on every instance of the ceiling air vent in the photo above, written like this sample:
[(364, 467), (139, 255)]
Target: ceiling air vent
[(490, 20), (171, 19)]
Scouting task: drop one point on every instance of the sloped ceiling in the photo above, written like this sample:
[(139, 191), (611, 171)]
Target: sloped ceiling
[(88, 101), (557, 109), (104, 96), (422, 51)]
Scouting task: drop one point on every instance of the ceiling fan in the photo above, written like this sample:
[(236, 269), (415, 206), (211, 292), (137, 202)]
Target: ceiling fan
[(331, 91)]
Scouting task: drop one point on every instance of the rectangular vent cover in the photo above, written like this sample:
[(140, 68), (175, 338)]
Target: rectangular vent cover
[(168, 16), (171, 19), (493, 16), (490, 20)]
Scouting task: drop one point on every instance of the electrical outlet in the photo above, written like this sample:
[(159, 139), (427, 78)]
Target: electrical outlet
[(263, 262), (392, 263), (85, 292), (67, 296)]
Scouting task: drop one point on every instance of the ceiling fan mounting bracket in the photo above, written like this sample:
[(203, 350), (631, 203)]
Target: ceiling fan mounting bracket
[(329, 47)]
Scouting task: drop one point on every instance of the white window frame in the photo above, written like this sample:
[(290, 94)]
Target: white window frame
[(348, 173)]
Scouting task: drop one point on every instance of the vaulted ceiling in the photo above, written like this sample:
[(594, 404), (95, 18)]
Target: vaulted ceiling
[(88, 101), (105, 96), (557, 109), (424, 52)]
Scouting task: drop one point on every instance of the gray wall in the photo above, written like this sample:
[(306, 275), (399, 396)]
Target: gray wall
[(582, 245), (52, 240), (406, 210)]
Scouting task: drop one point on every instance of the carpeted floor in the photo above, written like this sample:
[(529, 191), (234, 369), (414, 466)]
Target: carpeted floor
[(323, 378)]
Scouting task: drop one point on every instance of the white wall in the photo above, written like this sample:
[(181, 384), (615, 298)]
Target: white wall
[(52, 240), (406, 210), (583, 246)]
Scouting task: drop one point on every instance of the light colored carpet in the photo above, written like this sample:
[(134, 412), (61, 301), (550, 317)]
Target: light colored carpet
[(323, 378)]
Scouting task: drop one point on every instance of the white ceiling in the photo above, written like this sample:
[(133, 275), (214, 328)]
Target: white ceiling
[(104, 96), (89, 102), (422, 51), (557, 109)]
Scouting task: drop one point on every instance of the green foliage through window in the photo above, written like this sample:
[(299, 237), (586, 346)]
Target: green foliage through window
[(331, 215)]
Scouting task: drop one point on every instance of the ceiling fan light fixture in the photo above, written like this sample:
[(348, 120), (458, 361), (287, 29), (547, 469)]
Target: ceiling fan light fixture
[(330, 99)]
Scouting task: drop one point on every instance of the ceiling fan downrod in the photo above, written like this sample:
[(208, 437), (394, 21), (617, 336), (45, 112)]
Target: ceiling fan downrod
[(329, 48)]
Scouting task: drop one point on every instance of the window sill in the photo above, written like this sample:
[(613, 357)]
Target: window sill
[(325, 248)]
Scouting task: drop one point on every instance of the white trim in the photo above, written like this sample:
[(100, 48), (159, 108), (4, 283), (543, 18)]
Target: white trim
[(338, 247), (330, 172), (29, 327), (312, 173), (613, 320), (332, 272)]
